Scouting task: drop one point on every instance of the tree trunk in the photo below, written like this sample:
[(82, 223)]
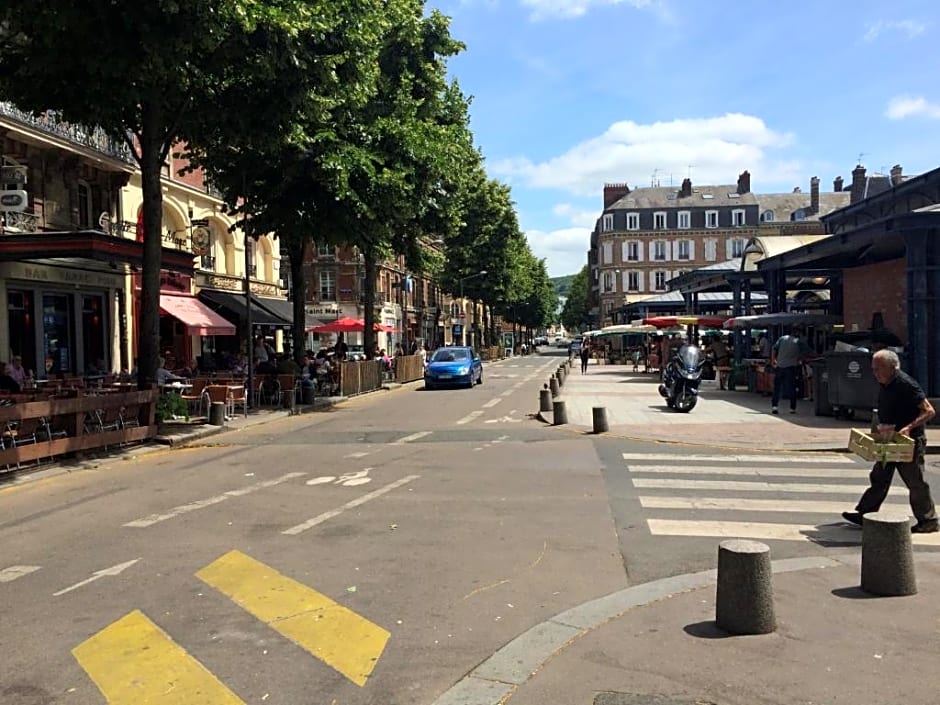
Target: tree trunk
[(297, 250), (368, 335), (148, 312), (477, 333)]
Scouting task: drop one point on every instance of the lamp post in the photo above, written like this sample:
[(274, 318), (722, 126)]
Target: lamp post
[(463, 326)]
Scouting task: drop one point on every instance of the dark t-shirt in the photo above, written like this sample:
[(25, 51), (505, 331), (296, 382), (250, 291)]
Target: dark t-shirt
[(899, 402), (8, 384)]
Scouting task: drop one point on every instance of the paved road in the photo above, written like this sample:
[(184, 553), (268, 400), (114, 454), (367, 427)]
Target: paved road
[(372, 554)]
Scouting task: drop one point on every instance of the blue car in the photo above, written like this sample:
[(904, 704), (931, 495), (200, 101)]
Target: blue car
[(460, 366)]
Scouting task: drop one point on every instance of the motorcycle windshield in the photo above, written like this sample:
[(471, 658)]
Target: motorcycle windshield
[(690, 357)]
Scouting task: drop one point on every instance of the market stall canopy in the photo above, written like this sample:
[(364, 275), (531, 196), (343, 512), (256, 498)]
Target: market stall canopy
[(349, 325), (625, 330), (690, 320), (782, 319), (198, 318)]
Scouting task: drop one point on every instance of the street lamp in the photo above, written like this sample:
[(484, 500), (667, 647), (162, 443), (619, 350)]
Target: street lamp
[(463, 326)]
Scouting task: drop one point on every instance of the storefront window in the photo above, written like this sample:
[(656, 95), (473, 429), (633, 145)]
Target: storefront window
[(93, 334), (58, 333), (22, 328)]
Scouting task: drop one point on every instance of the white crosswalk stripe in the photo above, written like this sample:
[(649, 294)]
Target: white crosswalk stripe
[(678, 493)]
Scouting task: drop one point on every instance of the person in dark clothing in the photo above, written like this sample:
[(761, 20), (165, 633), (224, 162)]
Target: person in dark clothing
[(585, 355), (903, 408), (7, 383)]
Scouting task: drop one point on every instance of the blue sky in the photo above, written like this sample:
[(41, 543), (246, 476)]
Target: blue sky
[(569, 94)]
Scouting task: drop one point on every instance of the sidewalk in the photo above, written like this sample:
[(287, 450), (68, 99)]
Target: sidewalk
[(656, 644), (736, 420)]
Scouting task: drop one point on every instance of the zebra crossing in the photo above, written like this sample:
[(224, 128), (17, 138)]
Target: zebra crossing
[(719, 496)]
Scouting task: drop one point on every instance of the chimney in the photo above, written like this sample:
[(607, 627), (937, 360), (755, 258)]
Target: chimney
[(744, 182), (896, 175), (613, 193), (686, 190), (837, 184), (814, 194), (858, 184)]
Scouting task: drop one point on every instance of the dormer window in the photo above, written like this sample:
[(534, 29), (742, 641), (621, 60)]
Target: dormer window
[(711, 219), (607, 222), (767, 217), (799, 214), (633, 221), (737, 218), (659, 221)]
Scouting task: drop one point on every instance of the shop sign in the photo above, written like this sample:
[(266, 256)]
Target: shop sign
[(323, 311), (264, 289), (215, 281), (173, 283), (60, 275)]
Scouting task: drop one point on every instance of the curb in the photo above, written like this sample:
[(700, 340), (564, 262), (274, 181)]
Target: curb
[(497, 678)]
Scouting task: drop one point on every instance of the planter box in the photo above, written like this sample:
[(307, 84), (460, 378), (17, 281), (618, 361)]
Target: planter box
[(900, 449)]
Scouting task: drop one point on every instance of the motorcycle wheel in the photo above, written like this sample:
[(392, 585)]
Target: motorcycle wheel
[(685, 403), (670, 402)]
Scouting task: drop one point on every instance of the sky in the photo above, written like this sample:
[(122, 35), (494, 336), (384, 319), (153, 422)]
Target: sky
[(570, 94)]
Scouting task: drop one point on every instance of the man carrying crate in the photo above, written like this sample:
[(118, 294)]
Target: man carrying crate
[(903, 408)]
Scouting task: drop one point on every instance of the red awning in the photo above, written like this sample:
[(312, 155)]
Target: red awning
[(198, 318)]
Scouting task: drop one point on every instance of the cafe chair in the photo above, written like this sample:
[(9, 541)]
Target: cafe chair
[(239, 396)]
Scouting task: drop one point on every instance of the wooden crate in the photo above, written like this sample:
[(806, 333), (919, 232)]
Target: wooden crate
[(900, 449)]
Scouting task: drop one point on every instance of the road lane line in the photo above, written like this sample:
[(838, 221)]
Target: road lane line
[(334, 634), (764, 471), (98, 575), (831, 533), (492, 403), (8, 575), (740, 504), (801, 457), (133, 661), (203, 503), (320, 518), (651, 483), (412, 437), (356, 455), (470, 417)]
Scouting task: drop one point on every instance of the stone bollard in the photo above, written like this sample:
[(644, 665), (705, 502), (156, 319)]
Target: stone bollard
[(217, 413), (559, 379), (559, 413), (553, 386), (545, 400), (887, 556), (600, 419), (745, 600)]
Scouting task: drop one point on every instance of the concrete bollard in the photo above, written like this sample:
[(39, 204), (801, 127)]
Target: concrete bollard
[(553, 386), (600, 419), (745, 600), (545, 400), (559, 413), (887, 555), (217, 413), (559, 379)]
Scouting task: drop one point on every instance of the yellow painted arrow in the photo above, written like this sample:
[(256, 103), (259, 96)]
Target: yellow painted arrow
[(336, 635)]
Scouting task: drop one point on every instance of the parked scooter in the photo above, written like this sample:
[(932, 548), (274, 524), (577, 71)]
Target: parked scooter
[(681, 378)]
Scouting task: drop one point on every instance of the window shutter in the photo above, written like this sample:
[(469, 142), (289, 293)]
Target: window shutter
[(639, 251), (652, 281), (691, 249), (670, 250), (652, 250), (639, 280), (624, 251), (728, 249)]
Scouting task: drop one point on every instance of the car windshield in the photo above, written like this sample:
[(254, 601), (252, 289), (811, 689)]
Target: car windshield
[(445, 355)]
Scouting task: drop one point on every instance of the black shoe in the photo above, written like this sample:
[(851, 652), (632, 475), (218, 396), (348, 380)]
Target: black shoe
[(925, 527), (852, 517)]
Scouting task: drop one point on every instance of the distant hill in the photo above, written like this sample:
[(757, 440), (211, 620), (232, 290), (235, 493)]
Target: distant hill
[(562, 284)]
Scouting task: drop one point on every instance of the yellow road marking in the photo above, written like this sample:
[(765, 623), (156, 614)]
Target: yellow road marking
[(332, 633), (132, 661)]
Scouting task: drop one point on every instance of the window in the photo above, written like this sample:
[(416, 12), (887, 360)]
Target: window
[(327, 285), (607, 253), (737, 218), (607, 222), (608, 282), (659, 221), (799, 215), (660, 281), (633, 281), (767, 217), (324, 249), (711, 219), (684, 249), (685, 220), (631, 251), (633, 221), (737, 247), (659, 251), (85, 208)]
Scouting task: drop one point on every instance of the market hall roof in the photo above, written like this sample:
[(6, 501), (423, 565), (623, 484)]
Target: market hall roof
[(760, 248), (785, 205), (668, 197)]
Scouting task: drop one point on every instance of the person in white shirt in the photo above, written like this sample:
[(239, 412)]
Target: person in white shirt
[(17, 372), (164, 375)]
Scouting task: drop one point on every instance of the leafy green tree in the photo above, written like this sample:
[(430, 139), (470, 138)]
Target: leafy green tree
[(144, 72), (576, 311)]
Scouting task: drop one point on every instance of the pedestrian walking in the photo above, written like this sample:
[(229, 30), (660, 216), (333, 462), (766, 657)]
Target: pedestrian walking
[(903, 408), (787, 358), (585, 355)]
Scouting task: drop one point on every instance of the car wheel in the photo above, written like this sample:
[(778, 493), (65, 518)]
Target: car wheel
[(480, 378)]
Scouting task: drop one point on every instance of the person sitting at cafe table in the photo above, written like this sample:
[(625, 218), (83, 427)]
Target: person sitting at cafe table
[(19, 373), (164, 376), (7, 383)]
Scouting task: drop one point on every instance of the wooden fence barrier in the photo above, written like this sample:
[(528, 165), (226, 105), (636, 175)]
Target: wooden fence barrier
[(409, 368), (360, 377)]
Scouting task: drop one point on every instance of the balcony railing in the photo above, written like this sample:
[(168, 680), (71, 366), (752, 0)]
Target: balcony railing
[(51, 123), (207, 262), (20, 222)]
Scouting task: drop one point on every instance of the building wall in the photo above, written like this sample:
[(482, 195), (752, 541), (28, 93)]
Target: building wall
[(876, 288)]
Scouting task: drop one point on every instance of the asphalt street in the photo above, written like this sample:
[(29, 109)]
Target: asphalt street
[(375, 553)]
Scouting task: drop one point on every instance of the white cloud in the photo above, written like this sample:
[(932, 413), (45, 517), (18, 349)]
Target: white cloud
[(911, 28), (564, 251), (904, 106), (717, 149), (542, 9), (577, 216)]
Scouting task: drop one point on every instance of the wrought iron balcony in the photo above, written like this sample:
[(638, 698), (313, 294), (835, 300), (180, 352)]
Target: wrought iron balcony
[(20, 222), (51, 123)]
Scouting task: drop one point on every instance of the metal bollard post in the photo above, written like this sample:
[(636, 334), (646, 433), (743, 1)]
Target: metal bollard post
[(887, 555), (545, 400), (745, 600), (600, 419), (217, 413), (559, 413), (553, 386)]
